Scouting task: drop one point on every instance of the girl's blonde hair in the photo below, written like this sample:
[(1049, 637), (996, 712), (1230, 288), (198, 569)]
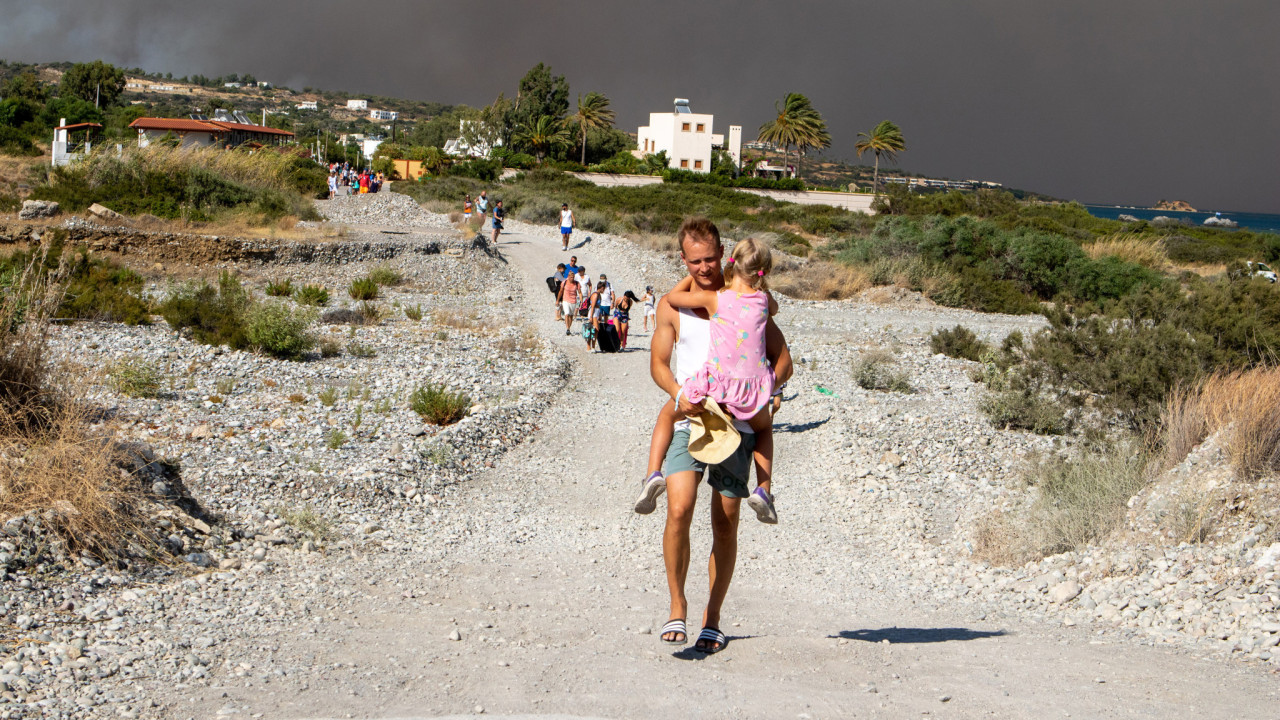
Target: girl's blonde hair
[(751, 261)]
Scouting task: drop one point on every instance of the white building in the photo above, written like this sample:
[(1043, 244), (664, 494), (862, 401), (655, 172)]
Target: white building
[(459, 147), (357, 104), (383, 115), (687, 137), (307, 105)]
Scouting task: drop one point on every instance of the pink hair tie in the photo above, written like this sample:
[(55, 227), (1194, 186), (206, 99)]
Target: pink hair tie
[(760, 273), (730, 261)]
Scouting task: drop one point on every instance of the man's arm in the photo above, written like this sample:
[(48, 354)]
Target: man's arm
[(775, 346), (661, 344)]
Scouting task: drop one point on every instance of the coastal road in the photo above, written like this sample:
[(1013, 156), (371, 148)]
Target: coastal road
[(556, 592)]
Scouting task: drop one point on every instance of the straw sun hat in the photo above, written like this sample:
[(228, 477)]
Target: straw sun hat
[(712, 436)]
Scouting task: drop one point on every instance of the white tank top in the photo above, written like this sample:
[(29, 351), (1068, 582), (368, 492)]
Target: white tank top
[(692, 342)]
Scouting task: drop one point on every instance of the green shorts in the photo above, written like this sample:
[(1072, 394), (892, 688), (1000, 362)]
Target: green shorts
[(729, 478)]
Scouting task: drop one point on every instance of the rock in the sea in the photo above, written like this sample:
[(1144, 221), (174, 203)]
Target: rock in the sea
[(1128, 218), (35, 209)]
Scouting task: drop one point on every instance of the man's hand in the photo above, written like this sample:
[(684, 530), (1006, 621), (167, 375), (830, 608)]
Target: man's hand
[(688, 409)]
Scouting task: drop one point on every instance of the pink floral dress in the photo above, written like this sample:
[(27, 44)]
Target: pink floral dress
[(737, 373)]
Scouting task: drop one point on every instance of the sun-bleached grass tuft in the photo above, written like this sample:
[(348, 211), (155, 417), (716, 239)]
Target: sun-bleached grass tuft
[(821, 280), (1244, 404), (1142, 250)]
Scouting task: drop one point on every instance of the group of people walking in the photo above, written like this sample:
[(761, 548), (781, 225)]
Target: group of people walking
[(605, 314), (495, 214), (349, 181)]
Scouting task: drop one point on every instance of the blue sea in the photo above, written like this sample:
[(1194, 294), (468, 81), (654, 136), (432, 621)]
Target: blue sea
[(1258, 222)]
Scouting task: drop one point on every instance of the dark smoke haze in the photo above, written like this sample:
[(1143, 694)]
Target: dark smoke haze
[(1100, 101)]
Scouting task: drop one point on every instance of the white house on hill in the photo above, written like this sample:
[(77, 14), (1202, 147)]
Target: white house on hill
[(357, 104), (687, 137)]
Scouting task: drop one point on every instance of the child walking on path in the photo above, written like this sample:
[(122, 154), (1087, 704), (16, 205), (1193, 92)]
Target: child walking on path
[(736, 374)]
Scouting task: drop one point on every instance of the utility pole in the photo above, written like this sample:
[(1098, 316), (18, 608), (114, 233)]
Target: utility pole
[(97, 93)]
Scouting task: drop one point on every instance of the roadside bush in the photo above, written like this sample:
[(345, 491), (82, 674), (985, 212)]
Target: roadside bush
[(363, 289), (539, 210), (330, 348), (959, 342), (361, 350), (135, 377), (876, 370), (343, 316), (1245, 405), (1024, 408), (1083, 498), (215, 316), (279, 329), (413, 312), (483, 170), (438, 406), (92, 289), (280, 289), (313, 295), (386, 276)]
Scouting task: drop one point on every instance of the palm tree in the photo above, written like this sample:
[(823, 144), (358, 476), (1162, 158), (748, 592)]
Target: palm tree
[(797, 123), (593, 114), (655, 163), (884, 139), (545, 134)]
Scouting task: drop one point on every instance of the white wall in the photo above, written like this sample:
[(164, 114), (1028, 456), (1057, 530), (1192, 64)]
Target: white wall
[(665, 131)]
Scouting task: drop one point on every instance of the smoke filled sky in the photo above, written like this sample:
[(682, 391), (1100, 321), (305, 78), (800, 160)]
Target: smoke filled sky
[(1100, 101)]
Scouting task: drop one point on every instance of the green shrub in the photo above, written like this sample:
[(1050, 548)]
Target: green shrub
[(1024, 409), (876, 370), (313, 295), (363, 289), (413, 312), (330, 348), (215, 316), (543, 211), (361, 350), (280, 289), (328, 396), (385, 276), (135, 377), (280, 330), (335, 439), (438, 406), (959, 342)]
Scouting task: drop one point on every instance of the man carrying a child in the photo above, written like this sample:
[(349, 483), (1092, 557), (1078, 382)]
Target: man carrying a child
[(686, 332)]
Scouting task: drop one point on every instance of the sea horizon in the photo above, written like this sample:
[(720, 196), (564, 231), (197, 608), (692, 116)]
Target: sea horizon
[(1255, 221)]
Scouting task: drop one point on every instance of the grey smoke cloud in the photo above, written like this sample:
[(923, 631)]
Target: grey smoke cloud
[(1097, 101)]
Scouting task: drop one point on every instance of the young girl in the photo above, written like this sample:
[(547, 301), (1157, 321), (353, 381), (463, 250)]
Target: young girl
[(737, 374), (466, 208)]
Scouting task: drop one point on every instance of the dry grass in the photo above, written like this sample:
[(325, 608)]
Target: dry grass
[(655, 242), (1139, 249), (51, 461), (460, 319), (260, 169), (1202, 269), (820, 280), (524, 345), (1246, 404)]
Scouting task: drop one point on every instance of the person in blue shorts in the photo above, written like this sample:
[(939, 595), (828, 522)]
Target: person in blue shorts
[(567, 223)]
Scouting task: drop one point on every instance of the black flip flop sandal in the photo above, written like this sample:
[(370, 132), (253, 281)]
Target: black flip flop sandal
[(710, 641)]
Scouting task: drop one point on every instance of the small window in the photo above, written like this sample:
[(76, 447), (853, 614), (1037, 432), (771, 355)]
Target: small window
[(697, 164), (684, 163), (702, 127), (685, 127)]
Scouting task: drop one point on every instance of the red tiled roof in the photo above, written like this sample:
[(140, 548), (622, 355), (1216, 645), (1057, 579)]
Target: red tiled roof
[(217, 127), (250, 128), (148, 123)]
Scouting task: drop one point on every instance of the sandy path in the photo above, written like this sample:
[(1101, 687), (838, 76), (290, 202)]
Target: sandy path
[(556, 590)]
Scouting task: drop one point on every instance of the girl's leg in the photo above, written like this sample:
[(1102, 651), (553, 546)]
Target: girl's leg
[(762, 424), (663, 430)]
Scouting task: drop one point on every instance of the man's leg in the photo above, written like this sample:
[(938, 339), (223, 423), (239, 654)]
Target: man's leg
[(682, 494), (724, 553)]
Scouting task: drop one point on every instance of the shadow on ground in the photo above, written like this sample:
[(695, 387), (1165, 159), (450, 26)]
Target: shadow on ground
[(799, 427), (896, 635)]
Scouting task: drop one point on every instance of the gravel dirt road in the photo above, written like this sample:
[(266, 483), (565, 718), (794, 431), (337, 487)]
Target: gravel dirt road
[(549, 602)]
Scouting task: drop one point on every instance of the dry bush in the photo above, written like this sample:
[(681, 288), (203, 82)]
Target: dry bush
[(524, 345), (1244, 403), (662, 243), (820, 280), (1001, 539), (1139, 249), (1083, 497), (29, 397), (72, 477), (459, 319)]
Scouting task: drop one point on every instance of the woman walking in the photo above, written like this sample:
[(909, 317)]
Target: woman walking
[(622, 316), (650, 307), (569, 296)]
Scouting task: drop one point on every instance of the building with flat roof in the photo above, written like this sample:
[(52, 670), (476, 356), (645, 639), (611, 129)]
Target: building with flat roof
[(383, 115), (687, 137), (357, 104)]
